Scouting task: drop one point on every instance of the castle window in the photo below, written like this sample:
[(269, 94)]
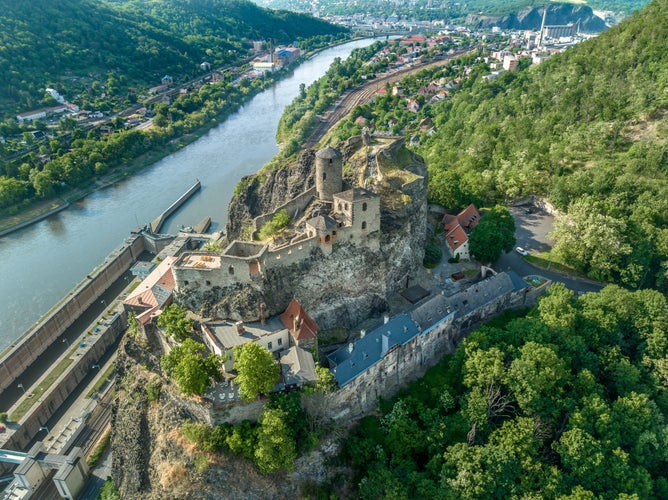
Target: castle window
[(363, 224), (230, 270), (208, 283), (364, 207), (339, 207), (324, 176), (186, 283), (346, 206), (269, 346), (330, 161), (327, 239), (280, 341)]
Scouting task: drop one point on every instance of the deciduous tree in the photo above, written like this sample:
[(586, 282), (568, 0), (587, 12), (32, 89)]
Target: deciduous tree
[(257, 370)]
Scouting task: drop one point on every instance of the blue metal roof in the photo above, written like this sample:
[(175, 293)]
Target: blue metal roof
[(352, 360)]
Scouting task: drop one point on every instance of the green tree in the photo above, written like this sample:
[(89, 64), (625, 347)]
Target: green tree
[(257, 370), (556, 307), (174, 319), (537, 378), (276, 448), (189, 366), (494, 234)]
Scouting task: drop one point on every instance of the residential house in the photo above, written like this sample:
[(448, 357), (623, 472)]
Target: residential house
[(221, 337), (297, 367), (302, 328), (153, 294), (457, 228)]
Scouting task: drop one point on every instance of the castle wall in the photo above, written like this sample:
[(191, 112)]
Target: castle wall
[(291, 254), (409, 362), (295, 205), (400, 365)]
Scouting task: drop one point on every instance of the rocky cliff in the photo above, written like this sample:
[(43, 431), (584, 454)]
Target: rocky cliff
[(531, 18), (153, 460), (352, 283)]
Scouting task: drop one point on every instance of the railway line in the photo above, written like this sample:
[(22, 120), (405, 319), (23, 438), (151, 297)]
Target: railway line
[(362, 95)]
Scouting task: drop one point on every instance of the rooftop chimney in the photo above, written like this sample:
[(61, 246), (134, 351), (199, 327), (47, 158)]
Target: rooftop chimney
[(386, 319), (362, 333), (240, 327), (351, 346)]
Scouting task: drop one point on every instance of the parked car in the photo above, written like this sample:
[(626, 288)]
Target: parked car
[(521, 251)]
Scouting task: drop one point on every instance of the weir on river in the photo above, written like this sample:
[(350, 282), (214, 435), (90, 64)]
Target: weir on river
[(43, 262)]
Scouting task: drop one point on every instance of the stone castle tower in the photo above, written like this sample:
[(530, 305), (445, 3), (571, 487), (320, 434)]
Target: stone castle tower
[(328, 173)]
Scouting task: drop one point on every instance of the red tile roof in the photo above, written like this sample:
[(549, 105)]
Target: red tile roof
[(469, 217), (298, 322), (456, 237)]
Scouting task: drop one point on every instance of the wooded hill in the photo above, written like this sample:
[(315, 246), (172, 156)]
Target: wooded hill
[(588, 130), (436, 9), (568, 402), (72, 44)]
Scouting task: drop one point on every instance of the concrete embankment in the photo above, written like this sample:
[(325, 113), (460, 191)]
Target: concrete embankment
[(160, 220), (36, 340), (84, 357)]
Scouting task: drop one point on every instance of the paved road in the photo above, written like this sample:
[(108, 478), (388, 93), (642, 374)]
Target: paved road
[(531, 234)]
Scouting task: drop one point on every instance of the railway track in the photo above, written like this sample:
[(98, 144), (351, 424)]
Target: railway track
[(362, 95)]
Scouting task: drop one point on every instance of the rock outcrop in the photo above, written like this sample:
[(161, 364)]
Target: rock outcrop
[(351, 284), (531, 18)]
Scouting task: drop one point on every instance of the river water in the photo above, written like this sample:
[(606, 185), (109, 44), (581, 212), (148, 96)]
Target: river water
[(43, 262)]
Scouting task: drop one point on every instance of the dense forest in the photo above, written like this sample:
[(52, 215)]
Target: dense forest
[(566, 402), (587, 129), (434, 9), (103, 56), (73, 44)]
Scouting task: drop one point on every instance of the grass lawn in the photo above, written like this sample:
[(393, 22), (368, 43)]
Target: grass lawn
[(543, 261), (43, 386)]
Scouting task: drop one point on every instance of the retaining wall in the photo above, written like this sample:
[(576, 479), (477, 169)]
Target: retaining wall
[(55, 396), (36, 340)]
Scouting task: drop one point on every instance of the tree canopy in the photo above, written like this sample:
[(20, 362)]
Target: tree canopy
[(494, 234), (257, 370), (191, 367), (174, 319), (532, 407)]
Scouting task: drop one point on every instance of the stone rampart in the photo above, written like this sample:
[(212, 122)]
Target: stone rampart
[(291, 254), (34, 342), (292, 207)]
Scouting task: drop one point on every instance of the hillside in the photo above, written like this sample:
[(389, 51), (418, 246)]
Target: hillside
[(588, 130), (434, 9), (91, 47), (531, 18)]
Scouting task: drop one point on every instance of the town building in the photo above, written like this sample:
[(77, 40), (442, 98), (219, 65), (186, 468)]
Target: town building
[(153, 294), (457, 229)]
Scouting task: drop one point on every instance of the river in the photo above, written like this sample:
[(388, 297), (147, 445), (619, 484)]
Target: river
[(43, 262)]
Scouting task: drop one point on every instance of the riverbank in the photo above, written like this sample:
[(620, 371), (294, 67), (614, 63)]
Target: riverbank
[(40, 210)]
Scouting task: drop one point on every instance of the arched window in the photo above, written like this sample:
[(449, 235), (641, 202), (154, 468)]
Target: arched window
[(339, 207), (363, 224), (326, 238), (364, 207), (230, 269)]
